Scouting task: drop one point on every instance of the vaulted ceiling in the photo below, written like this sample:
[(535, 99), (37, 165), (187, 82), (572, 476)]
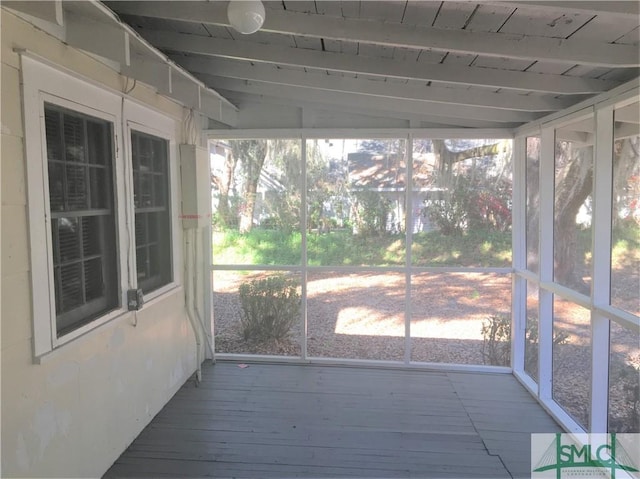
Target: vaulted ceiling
[(398, 63)]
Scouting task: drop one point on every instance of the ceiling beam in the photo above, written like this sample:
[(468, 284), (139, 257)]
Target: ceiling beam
[(243, 99), (424, 93), (488, 77), (597, 54), (364, 101), (591, 7)]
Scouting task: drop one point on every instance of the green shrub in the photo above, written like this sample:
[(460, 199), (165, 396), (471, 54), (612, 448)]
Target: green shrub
[(626, 378), (496, 340), (270, 308)]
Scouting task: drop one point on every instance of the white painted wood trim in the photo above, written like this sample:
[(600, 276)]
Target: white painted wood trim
[(48, 10), (403, 36), (42, 83), (108, 40), (255, 52), (625, 92), (601, 261), (519, 255), (321, 133), (303, 243), (545, 303), (357, 100), (408, 222), (260, 73), (146, 120)]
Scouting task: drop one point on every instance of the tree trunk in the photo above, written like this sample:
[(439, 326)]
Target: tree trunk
[(573, 186), (253, 154), (223, 185)]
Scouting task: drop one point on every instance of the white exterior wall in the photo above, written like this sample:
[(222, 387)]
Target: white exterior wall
[(74, 413)]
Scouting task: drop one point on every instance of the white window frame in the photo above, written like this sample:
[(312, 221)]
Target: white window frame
[(598, 301), (42, 84), (138, 118)]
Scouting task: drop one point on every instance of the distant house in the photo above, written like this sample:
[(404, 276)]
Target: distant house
[(385, 174)]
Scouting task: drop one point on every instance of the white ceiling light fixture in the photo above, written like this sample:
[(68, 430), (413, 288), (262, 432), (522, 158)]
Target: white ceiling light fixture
[(246, 16)]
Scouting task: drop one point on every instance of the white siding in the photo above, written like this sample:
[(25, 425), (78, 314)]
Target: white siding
[(73, 414)]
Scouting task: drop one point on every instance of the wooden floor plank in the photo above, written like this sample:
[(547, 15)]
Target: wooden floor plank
[(324, 421)]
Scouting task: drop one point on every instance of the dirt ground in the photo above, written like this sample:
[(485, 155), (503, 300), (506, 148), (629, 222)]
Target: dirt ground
[(360, 316)]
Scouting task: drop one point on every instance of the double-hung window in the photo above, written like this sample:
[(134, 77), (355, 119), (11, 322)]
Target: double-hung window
[(81, 203), (100, 199), (152, 210)]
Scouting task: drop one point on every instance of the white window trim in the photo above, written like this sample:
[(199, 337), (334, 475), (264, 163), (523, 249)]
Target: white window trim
[(44, 83)]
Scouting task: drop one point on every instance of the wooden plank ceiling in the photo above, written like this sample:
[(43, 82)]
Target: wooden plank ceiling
[(398, 63)]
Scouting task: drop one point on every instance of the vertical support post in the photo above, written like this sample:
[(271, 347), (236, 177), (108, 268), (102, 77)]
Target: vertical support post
[(408, 211), (545, 304), (207, 291), (518, 228), (303, 259), (601, 282)]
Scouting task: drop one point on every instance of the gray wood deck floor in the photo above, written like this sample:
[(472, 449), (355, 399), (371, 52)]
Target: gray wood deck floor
[(322, 421)]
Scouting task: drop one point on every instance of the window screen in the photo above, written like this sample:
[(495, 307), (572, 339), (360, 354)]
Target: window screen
[(151, 200), (79, 160)]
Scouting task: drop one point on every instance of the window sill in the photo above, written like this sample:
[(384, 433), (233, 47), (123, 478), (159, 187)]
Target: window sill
[(78, 337)]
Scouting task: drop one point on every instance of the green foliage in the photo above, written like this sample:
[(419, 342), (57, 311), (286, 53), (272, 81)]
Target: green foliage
[(270, 308), (341, 247), (470, 204), (627, 378), (371, 212), (496, 340)]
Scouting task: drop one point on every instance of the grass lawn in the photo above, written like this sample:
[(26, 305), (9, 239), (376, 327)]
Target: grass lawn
[(341, 247)]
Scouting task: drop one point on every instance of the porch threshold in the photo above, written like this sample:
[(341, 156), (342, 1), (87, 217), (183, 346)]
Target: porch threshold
[(316, 421)]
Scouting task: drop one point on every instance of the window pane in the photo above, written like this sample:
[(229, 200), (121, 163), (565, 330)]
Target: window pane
[(76, 187), (142, 263), (356, 201), (257, 200), (91, 243), (74, 138), (99, 148), (83, 222), (356, 316), (531, 332), (257, 312), (56, 186), (142, 228), (533, 201), (572, 359), (98, 186), (69, 245), (625, 237), (93, 279), (461, 318), (71, 292), (624, 380), (53, 131), (462, 203), (573, 205), (152, 212)]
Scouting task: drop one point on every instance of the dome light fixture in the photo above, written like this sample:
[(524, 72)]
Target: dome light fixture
[(246, 16)]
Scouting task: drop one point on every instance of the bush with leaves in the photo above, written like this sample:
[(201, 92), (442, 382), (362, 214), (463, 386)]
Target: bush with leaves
[(496, 340), (370, 211), (469, 203), (625, 379), (270, 308)]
